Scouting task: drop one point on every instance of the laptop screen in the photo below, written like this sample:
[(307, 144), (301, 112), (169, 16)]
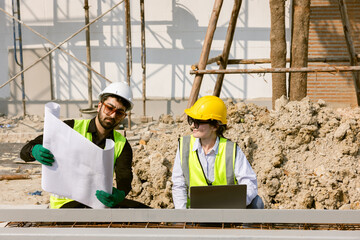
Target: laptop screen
[(219, 197)]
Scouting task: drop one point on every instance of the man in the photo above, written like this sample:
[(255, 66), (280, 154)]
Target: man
[(114, 101), (203, 158)]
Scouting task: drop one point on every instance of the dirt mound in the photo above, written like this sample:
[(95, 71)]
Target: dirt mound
[(305, 154)]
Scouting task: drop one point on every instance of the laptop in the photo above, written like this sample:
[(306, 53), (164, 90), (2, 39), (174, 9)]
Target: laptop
[(219, 197)]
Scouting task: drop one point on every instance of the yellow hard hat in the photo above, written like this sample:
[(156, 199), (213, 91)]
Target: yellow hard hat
[(208, 108)]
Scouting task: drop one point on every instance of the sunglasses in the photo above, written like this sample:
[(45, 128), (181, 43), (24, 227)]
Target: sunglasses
[(108, 110), (197, 122)]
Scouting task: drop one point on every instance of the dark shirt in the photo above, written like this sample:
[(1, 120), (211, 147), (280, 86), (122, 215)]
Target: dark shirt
[(123, 172)]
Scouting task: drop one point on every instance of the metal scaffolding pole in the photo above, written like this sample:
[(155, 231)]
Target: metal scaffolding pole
[(16, 11)]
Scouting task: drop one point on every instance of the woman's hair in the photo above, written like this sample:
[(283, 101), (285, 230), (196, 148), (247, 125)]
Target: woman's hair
[(221, 128)]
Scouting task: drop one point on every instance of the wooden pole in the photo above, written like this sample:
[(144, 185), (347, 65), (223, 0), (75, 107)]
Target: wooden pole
[(227, 46), (52, 43), (205, 51), (128, 49), (14, 177), (268, 60), (143, 55), (278, 70), (216, 59), (278, 48), (88, 54), (128, 41), (350, 46), (299, 49), (57, 46)]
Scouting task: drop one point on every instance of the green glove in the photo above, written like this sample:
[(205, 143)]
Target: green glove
[(43, 155), (110, 200)]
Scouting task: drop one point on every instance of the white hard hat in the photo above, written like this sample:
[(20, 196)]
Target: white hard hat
[(120, 89)]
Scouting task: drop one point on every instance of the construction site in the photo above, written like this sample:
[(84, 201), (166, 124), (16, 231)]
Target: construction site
[(287, 71)]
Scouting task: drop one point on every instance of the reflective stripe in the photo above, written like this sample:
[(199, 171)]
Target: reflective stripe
[(120, 141), (184, 154), (82, 126), (230, 160)]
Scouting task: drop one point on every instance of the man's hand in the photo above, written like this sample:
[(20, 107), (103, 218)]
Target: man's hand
[(110, 200), (43, 155)]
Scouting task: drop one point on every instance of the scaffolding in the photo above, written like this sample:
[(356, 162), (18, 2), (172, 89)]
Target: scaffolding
[(88, 48), (198, 69)]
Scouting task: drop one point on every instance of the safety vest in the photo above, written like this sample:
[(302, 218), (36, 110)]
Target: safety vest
[(223, 167), (81, 126)]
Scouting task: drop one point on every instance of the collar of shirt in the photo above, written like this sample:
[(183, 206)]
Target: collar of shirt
[(215, 148), (93, 130)]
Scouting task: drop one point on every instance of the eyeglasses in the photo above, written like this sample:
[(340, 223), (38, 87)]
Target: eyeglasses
[(108, 110), (197, 122)]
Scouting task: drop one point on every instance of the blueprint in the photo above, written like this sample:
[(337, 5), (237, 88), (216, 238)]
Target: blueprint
[(80, 167)]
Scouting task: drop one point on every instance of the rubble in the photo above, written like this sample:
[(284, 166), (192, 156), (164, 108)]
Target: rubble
[(305, 154)]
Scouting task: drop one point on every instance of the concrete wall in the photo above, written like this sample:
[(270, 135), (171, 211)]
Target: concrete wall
[(175, 31)]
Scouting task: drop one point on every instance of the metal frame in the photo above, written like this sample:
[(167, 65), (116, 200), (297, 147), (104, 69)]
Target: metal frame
[(185, 215), (173, 216), (125, 233)]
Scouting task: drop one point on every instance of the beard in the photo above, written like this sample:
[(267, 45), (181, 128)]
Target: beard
[(107, 122)]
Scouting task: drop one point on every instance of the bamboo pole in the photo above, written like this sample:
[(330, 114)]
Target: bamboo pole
[(227, 46), (205, 51), (350, 46), (278, 70), (88, 53)]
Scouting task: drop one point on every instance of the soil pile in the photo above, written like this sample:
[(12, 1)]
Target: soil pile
[(305, 154)]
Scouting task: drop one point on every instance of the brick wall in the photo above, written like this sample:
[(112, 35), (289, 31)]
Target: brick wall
[(326, 39)]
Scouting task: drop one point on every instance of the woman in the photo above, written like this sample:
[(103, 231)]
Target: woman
[(204, 153)]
